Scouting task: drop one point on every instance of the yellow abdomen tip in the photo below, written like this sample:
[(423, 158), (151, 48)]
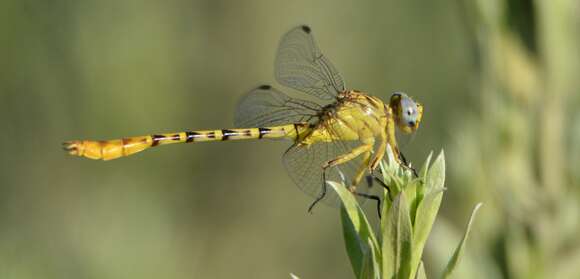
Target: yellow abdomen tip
[(88, 149), (72, 147)]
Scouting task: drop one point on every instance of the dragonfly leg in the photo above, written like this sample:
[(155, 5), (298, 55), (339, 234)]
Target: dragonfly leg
[(361, 171), (380, 151), (322, 192), (371, 197), (337, 161), (383, 184), (366, 149), (341, 159)]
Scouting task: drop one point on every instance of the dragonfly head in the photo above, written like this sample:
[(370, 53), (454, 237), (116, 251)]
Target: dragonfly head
[(408, 113)]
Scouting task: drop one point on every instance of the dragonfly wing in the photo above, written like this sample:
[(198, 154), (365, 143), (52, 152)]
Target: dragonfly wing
[(301, 65), (304, 165), (266, 106)]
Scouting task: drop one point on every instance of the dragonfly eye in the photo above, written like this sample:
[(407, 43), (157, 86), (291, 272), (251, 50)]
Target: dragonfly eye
[(409, 113)]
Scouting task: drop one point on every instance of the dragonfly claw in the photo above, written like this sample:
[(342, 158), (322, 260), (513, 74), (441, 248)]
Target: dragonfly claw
[(71, 147)]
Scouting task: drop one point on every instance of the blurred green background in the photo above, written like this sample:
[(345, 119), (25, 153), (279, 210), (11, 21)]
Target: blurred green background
[(498, 80)]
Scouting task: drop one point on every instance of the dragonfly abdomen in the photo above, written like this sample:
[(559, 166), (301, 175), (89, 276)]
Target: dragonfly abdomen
[(113, 149)]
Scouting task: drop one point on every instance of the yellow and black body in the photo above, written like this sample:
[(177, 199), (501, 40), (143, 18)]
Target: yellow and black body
[(347, 131), (113, 149)]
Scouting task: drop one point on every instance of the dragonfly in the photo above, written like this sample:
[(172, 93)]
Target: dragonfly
[(337, 134)]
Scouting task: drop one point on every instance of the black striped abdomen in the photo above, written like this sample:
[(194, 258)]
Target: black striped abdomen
[(112, 149)]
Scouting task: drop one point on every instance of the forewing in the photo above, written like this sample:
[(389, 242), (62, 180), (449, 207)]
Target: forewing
[(301, 65), (266, 106)]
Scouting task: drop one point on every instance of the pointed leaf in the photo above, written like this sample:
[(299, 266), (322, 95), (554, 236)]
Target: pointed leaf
[(357, 233), (428, 207), (375, 261), (355, 249), (459, 250), (436, 175), (420, 187), (397, 240), (425, 167), (421, 272), (426, 214)]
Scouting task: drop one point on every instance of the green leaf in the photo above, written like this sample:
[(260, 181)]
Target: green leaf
[(410, 192), (355, 250), (426, 214), (357, 234), (435, 177), (428, 207), (392, 173), (459, 250), (420, 187), (375, 261), (397, 240), (425, 167), (421, 272)]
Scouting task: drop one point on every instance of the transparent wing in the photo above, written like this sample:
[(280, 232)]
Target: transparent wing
[(304, 165), (267, 106), (301, 65)]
